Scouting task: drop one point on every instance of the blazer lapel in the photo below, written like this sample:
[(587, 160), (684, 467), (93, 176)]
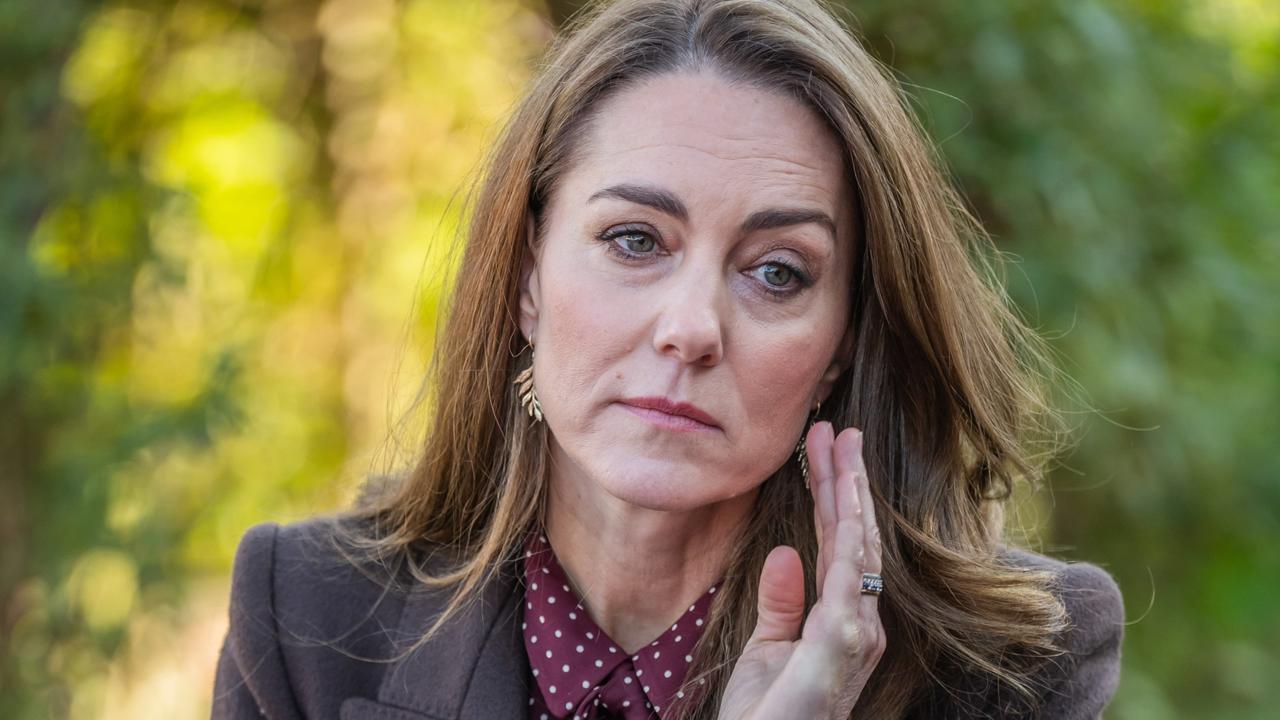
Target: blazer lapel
[(475, 668), (500, 682)]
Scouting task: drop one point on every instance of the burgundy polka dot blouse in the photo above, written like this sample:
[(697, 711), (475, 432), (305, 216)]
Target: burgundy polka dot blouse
[(577, 670)]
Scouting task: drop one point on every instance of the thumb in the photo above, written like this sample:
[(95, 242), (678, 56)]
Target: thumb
[(781, 596)]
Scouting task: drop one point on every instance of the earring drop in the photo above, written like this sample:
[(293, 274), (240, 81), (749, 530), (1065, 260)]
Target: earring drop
[(528, 395), (802, 448)]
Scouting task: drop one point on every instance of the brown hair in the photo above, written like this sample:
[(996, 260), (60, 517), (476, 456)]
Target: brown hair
[(949, 386)]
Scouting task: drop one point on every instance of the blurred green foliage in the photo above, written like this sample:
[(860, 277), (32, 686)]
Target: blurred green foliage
[(1128, 155), (225, 227)]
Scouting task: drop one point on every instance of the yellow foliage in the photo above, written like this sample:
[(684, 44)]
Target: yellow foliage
[(103, 586)]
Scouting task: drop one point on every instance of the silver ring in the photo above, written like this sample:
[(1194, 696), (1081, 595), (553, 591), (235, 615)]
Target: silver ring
[(872, 584)]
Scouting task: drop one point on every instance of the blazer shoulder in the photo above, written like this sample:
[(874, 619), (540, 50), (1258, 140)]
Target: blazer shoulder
[(305, 615), (272, 557), (254, 565), (1082, 681), (1091, 596), (309, 571), (251, 677), (317, 580)]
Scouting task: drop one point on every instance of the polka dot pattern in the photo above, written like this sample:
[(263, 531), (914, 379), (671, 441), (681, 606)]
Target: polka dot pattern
[(577, 671)]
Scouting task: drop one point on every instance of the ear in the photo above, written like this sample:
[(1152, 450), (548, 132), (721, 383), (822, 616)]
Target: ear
[(842, 361), (530, 295)]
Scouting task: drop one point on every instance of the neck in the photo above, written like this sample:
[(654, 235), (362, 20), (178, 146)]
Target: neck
[(637, 569)]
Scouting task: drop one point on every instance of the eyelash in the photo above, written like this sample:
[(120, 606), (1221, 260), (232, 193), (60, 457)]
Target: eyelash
[(609, 236)]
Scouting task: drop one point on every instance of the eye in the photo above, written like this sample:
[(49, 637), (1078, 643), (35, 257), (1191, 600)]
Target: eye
[(777, 274), (629, 242), (781, 279), (638, 242)]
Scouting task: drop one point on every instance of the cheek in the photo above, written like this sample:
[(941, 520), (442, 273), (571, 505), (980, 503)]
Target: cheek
[(775, 388), (583, 330), (579, 313), (776, 379), (775, 384)]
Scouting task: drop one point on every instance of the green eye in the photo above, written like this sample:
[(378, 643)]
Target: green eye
[(777, 275), (630, 242), (638, 243)]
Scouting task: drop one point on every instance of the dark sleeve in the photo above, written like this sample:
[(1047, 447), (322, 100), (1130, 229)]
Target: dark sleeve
[(1085, 679), (251, 680)]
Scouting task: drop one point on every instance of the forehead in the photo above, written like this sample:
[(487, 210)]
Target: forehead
[(712, 141)]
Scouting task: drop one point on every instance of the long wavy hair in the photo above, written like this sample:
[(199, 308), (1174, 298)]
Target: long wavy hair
[(950, 387)]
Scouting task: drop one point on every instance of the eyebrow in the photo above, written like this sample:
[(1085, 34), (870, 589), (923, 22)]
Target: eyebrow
[(666, 202)]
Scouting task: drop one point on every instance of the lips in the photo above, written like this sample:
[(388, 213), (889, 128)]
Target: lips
[(673, 407)]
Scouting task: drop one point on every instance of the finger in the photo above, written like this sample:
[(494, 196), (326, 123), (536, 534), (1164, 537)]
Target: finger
[(781, 596), (845, 450), (844, 575), (820, 565), (819, 443), (844, 453), (871, 526), (815, 480), (834, 634), (868, 604)]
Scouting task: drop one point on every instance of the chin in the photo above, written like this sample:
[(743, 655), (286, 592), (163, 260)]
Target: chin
[(657, 484)]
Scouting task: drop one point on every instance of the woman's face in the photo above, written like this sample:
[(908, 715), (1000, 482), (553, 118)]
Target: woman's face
[(701, 252)]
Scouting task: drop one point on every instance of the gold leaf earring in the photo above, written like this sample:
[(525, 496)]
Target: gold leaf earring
[(528, 395), (802, 448)]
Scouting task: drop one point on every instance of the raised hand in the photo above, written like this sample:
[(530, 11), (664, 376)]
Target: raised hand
[(817, 671)]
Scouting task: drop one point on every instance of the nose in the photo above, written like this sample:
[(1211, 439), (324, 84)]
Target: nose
[(689, 326)]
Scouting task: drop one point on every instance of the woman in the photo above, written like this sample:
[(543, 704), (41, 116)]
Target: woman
[(710, 229)]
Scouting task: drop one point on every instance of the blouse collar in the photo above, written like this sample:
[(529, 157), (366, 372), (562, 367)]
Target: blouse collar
[(574, 662)]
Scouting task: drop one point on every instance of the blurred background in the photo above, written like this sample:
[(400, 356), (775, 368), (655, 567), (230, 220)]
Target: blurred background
[(225, 230)]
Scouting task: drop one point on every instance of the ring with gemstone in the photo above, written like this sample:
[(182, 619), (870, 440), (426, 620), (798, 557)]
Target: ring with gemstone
[(872, 584)]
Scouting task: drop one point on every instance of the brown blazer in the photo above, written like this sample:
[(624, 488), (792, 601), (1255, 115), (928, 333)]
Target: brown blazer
[(307, 628)]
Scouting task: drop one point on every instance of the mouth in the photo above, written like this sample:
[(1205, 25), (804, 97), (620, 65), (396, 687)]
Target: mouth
[(670, 414)]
